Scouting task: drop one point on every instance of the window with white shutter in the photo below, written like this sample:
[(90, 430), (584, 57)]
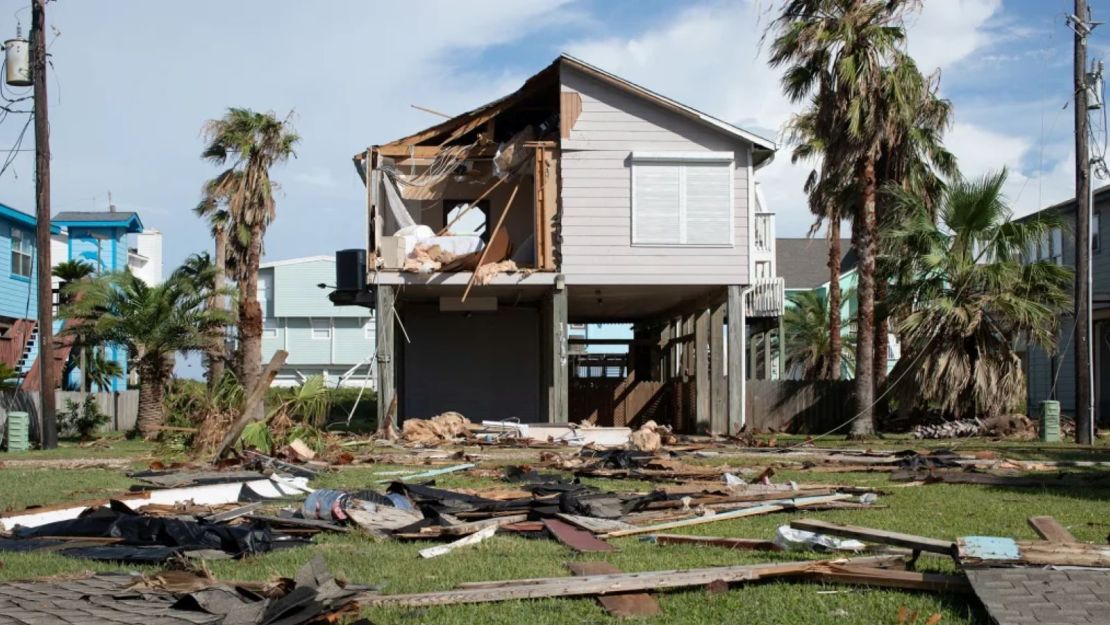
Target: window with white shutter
[(682, 199)]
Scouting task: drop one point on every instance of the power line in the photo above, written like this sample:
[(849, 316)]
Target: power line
[(15, 149)]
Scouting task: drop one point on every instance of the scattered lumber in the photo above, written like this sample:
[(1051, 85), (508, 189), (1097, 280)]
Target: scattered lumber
[(473, 539), (786, 504), (588, 585), (594, 524), (464, 529), (1050, 529), (889, 578), (744, 544), (1014, 481), (234, 513), (620, 605), (866, 534), (578, 540), (431, 473)]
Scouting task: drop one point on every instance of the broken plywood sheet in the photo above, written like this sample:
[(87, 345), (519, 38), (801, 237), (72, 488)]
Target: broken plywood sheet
[(1002, 551), (577, 539), (626, 604)]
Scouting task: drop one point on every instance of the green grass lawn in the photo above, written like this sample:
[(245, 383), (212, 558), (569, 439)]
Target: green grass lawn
[(941, 511)]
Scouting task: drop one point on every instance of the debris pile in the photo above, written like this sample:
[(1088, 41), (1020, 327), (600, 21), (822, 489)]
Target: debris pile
[(1015, 426)]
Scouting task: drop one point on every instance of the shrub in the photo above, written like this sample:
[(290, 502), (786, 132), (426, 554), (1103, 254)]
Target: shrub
[(82, 419)]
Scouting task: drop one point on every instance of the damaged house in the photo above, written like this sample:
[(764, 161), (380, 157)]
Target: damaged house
[(581, 198)]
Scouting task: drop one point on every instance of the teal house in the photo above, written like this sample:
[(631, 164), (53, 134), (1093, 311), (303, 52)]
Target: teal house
[(803, 265), (321, 338)]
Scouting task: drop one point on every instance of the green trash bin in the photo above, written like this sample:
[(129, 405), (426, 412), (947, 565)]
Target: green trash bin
[(1050, 421)]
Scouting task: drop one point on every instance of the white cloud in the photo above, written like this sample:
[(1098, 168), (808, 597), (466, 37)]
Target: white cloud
[(710, 57), (947, 31)]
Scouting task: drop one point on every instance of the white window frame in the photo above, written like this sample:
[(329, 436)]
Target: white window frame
[(268, 331), (26, 248), (680, 158), (312, 329)]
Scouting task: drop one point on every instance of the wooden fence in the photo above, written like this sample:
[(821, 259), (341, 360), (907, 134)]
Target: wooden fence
[(798, 406), (121, 406)]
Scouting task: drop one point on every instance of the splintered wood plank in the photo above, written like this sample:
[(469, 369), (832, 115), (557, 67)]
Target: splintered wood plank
[(748, 544), (791, 504), (628, 604), (617, 583), (1050, 529), (578, 540), (867, 534), (594, 524)]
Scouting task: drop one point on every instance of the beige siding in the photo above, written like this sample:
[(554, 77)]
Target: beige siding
[(597, 199)]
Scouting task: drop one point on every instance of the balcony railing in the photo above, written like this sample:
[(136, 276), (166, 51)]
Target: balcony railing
[(766, 298), (764, 239)]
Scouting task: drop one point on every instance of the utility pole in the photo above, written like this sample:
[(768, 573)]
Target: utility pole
[(49, 430)]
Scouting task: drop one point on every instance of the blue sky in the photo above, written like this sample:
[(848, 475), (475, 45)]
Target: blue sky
[(134, 81)]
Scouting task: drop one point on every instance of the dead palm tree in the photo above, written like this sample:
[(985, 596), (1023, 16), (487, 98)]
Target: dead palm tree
[(839, 51), (250, 143)]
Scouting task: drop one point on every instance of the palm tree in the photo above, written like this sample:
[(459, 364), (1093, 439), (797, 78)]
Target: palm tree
[(251, 143), (829, 191), (838, 53), (214, 208), (915, 160), (971, 297), (152, 322), (808, 338), (71, 271)]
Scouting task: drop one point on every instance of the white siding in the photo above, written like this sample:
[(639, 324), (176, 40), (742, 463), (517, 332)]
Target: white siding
[(596, 223)]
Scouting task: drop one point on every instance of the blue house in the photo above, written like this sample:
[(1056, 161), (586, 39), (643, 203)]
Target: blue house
[(18, 288), (99, 238)]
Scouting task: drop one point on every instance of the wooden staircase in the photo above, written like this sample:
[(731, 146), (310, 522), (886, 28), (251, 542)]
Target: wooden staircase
[(63, 345), (18, 342)]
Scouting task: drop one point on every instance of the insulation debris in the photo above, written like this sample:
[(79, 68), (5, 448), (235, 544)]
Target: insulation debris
[(487, 272), (646, 438), (440, 429)]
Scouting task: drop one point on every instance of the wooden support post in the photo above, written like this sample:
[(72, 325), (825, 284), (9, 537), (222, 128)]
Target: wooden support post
[(718, 419), (735, 359), (256, 397), (703, 405), (555, 361), (767, 354), (666, 366), (385, 328), (753, 357)]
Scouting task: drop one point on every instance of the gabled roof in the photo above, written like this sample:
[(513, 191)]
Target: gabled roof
[(803, 263), (296, 261), (762, 144), (99, 219), (23, 219), (688, 111)]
